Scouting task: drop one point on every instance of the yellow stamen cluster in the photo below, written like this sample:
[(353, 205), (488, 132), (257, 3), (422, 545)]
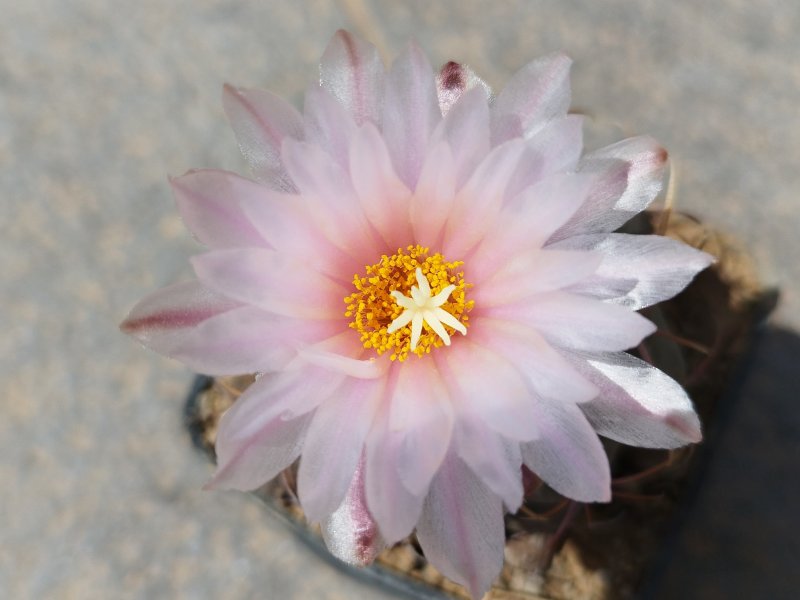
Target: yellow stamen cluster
[(374, 308)]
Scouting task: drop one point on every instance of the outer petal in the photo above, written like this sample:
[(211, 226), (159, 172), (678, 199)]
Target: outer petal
[(272, 281), (162, 319), (638, 404), (350, 533), (465, 128), (352, 72), (453, 81), (535, 94), (208, 203), (494, 459), (546, 372), (334, 445), (568, 456), (422, 415), (502, 401), (661, 267), (571, 321), (478, 203), (395, 509), (261, 121), (613, 202), (384, 198), (327, 123), (461, 528), (411, 112), (242, 340)]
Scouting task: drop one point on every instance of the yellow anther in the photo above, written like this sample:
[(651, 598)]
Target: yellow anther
[(409, 302)]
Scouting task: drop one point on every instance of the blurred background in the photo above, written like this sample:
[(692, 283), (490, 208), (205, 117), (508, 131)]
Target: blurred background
[(101, 100)]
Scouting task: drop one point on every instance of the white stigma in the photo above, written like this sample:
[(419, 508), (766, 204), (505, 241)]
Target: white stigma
[(421, 308)]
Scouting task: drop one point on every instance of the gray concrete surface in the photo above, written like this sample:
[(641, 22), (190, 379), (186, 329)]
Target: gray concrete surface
[(100, 100)]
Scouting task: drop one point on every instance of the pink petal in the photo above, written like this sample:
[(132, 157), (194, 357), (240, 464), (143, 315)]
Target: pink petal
[(242, 340), (343, 353), (208, 203), (334, 444), (461, 528), (661, 267), (422, 416), (613, 203), (350, 533), (478, 203), (286, 223), (453, 81), (555, 148), (638, 404), (263, 432), (394, 508), (330, 200), (430, 205), (161, 319), (533, 274), (494, 459), (536, 94), (465, 128), (327, 123), (528, 220), (546, 372), (502, 401), (568, 456), (261, 121), (571, 321), (352, 72), (384, 198), (272, 281), (411, 112)]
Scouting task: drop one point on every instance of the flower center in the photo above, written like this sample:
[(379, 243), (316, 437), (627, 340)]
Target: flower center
[(409, 302)]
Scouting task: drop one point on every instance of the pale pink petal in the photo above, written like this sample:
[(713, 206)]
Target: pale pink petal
[(344, 353), (327, 123), (638, 404), (350, 533), (208, 201), (242, 340), (430, 205), (352, 72), (334, 444), (330, 200), (660, 267), (411, 112), (272, 281), (162, 319), (454, 80), (531, 274), (528, 220), (570, 321), (502, 401), (285, 222), (613, 203), (546, 372), (494, 459), (395, 509), (478, 203), (384, 198), (536, 94), (465, 128), (568, 455), (555, 148), (422, 416), (461, 529), (602, 288), (261, 121), (263, 432)]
